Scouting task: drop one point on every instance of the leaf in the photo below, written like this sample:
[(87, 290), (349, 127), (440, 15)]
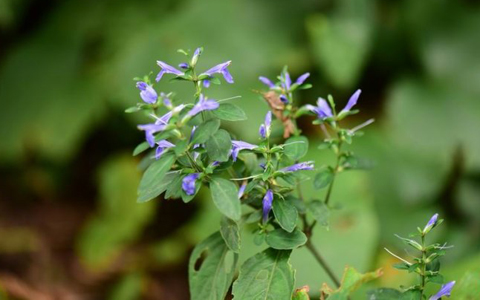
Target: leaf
[(285, 213), (149, 185), (267, 275), (332, 37), (140, 148), (351, 281), (320, 212), (296, 147), (225, 197), (384, 294), (301, 293), (283, 240), (212, 279), (323, 178), (174, 188), (204, 131), (229, 112), (230, 232), (219, 145)]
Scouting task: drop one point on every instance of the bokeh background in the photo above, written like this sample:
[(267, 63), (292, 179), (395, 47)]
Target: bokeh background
[(69, 224)]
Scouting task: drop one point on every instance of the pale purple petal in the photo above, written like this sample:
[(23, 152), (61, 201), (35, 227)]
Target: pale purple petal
[(241, 190), (288, 81), (352, 101), (302, 78), (267, 205), (203, 104), (432, 222), (183, 66), (217, 69), (150, 130), (147, 93), (237, 146), (445, 290), (262, 131), (165, 68), (268, 119), (228, 77), (206, 83), (283, 98), (309, 165), (324, 110), (188, 183), (266, 81), (162, 146)]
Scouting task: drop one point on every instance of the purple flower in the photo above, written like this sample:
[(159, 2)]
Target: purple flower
[(283, 98), (206, 83), (203, 104), (166, 101), (195, 56), (166, 69), (221, 69), (267, 205), (241, 190), (287, 81), (150, 130), (188, 183), (162, 146), (148, 94), (302, 78), (298, 167), (264, 129), (445, 290), (322, 109), (266, 81), (431, 223), (183, 66), (237, 146), (352, 101)]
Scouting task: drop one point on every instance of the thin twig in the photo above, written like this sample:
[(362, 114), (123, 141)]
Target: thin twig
[(322, 262)]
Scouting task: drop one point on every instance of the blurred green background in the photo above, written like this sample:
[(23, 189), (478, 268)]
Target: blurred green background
[(69, 224)]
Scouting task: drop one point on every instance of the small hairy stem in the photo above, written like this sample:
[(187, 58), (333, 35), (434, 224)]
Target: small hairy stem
[(424, 267), (322, 262), (335, 171), (192, 162)]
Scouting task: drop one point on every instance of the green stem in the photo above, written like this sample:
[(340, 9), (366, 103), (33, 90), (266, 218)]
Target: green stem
[(322, 262), (192, 162), (424, 267), (335, 171)]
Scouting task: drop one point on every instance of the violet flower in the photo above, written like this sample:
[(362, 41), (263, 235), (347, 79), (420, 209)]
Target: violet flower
[(203, 104), (147, 93), (162, 146), (351, 102), (195, 56), (183, 66), (431, 223), (166, 69), (267, 205), (322, 110), (267, 82), (283, 98), (241, 190), (445, 290), (309, 165), (300, 80), (220, 69), (150, 130), (206, 83), (287, 81), (237, 146), (188, 183), (264, 129)]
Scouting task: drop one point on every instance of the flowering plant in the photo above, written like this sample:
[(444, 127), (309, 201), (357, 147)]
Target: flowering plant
[(249, 183)]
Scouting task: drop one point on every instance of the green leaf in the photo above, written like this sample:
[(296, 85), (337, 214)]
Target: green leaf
[(140, 148), (267, 275), (351, 281), (332, 38), (149, 185), (205, 130), (225, 197), (132, 109), (283, 240), (285, 213), (384, 294), (218, 146), (230, 232), (301, 293), (320, 212), (323, 178), (296, 147), (212, 279), (229, 112), (174, 188), (411, 295)]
